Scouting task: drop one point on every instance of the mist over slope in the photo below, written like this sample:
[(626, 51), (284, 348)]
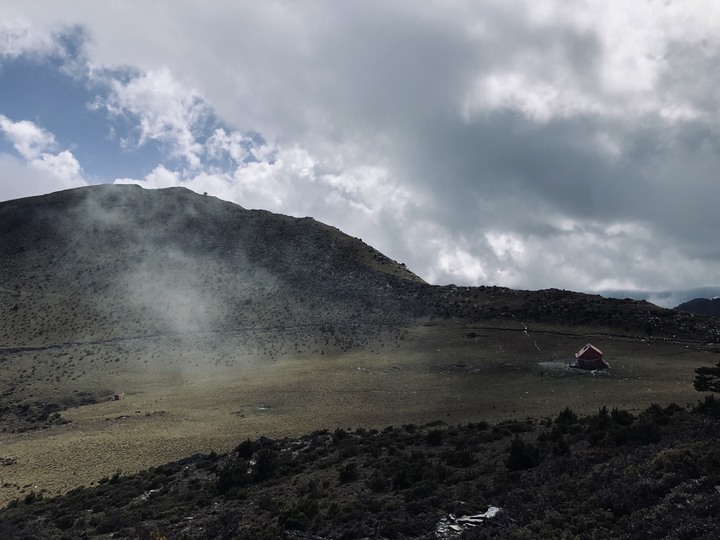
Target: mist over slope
[(106, 261)]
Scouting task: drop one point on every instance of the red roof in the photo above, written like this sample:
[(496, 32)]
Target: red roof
[(590, 357), (589, 351)]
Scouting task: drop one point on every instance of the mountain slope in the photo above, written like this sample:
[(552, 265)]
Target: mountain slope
[(105, 262), (110, 262)]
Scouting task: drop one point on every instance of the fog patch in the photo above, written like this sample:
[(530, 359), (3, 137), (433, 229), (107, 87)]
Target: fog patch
[(168, 287)]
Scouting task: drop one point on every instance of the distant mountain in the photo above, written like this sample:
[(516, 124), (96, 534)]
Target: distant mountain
[(666, 299), (701, 306)]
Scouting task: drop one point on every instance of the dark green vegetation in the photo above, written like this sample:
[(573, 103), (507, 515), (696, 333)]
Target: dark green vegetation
[(609, 475), (707, 379)]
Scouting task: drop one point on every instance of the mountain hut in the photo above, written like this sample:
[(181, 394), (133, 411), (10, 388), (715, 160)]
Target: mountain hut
[(590, 357)]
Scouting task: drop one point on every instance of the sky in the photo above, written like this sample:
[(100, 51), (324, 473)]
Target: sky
[(522, 143)]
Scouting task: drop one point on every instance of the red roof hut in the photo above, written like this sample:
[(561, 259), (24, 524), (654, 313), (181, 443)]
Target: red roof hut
[(590, 357)]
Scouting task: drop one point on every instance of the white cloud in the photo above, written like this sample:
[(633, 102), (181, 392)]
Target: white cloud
[(158, 178), (19, 37), (30, 140), (166, 111), (62, 165), (594, 58), (17, 179), (234, 145), (455, 263), (506, 246), (42, 169)]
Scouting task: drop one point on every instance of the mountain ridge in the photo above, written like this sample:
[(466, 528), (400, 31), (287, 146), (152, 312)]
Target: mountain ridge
[(174, 261), (701, 306)]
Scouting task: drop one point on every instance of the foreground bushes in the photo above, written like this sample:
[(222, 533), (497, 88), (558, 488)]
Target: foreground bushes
[(611, 474)]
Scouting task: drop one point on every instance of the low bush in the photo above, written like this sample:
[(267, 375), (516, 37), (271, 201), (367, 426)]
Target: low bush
[(348, 472), (522, 455)]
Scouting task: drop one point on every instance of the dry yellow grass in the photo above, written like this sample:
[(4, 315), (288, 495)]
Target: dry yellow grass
[(182, 399)]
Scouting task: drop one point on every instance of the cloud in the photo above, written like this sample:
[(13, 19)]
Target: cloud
[(29, 140), (520, 143), (41, 169), (165, 111), (18, 38)]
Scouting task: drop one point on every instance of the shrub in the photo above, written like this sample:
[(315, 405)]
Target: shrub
[(265, 466), (647, 433), (707, 379), (560, 444), (245, 449), (293, 519), (233, 475), (522, 455), (600, 421), (459, 458), (622, 436), (709, 407), (566, 417), (561, 447), (348, 473), (435, 437), (598, 425), (659, 415), (109, 522), (33, 497), (378, 482), (415, 468), (622, 417)]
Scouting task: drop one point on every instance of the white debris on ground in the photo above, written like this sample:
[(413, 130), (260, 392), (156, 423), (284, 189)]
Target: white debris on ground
[(525, 331), (140, 499), (556, 366), (452, 527)]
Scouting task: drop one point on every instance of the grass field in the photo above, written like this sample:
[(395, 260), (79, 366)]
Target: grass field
[(197, 395)]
